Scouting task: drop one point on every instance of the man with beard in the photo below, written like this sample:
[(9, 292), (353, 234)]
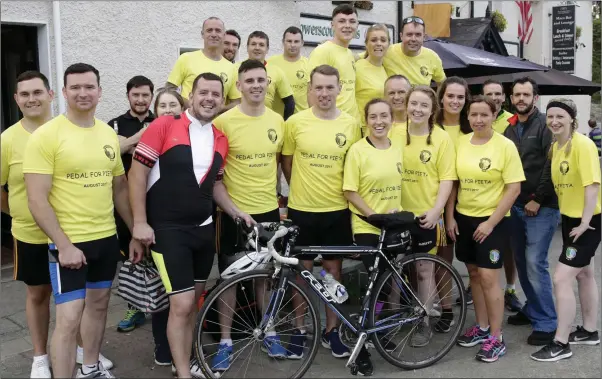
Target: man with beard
[(412, 60), (129, 128), (172, 206), (535, 214), (231, 45)]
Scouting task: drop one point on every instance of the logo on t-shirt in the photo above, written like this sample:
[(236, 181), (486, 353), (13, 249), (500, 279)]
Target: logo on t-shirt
[(353, 64), (340, 139), (272, 135), (425, 156), (564, 167), (494, 256), (109, 152), (399, 170), (300, 74), (485, 164), (224, 77), (424, 71), (269, 80), (570, 253)]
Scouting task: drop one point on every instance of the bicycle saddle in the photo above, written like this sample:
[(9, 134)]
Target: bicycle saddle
[(392, 220)]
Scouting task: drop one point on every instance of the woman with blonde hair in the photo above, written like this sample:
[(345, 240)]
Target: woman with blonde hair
[(576, 177), (370, 75)]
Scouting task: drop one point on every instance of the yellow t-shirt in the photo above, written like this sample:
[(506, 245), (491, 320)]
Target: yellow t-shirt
[(278, 88), (342, 59), (425, 166), (572, 172), (453, 131), (421, 69), (83, 163), (318, 148), (483, 171), (296, 73), (251, 165), (376, 176), (369, 84), (501, 122), (13, 142), (190, 65)]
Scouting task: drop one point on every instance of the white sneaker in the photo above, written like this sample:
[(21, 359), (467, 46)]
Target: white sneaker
[(195, 370), (99, 373), (40, 368), (106, 363)]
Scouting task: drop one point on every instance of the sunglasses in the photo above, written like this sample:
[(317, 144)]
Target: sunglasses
[(412, 19)]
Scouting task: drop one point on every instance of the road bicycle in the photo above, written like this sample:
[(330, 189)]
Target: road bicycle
[(397, 303)]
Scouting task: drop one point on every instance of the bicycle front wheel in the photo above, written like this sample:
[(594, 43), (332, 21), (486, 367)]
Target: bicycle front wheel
[(238, 309), (420, 309)]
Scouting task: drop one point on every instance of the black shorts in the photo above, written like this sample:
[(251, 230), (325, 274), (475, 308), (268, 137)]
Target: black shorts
[(31, 263), (70, 284), (489, 254), (184, 256), (579, 254), (230, 239), (322, 229)]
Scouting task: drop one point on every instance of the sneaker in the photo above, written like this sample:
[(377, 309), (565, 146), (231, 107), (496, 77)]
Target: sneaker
[(511, 301), (221, 360), (444, 324), (79, 359), (273, 347), (473, 336), (583, 337), (539, 338), (40, 368), (386, 343), (195, 370), (100, 373), (162, 355), (467, 296), (364, 363), (493, 348), (422, 335), (520, 318), (332, 341), (296, 345), (552, 352), (133, 318)]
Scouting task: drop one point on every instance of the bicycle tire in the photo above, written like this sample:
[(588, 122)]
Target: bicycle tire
[(256, 274), (372, 315)]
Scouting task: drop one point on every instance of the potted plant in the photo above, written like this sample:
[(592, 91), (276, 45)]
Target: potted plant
[(499, 21)]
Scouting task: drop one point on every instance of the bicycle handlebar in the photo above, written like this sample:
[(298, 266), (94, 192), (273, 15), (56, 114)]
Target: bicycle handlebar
[(269, 237)]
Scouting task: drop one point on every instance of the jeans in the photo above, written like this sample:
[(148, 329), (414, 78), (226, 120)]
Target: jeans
[(531, 239)]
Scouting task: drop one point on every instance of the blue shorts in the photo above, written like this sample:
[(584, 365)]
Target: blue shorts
[(70, 284)]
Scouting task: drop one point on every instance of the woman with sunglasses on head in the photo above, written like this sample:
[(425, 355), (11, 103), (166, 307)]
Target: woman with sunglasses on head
[(576, 177), (370, 75), (372, 184), (429, 174), (490, 173)]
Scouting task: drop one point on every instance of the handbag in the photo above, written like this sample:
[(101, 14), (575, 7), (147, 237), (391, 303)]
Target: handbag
[(141, 286)]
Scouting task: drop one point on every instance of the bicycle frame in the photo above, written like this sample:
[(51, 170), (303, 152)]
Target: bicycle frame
[(325, 296)]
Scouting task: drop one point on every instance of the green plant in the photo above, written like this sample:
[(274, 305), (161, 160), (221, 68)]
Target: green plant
[(578, 32), (499, 21)]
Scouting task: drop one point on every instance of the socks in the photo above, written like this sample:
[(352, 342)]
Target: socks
[(447, 314), (40, 358), (225, 341), (510, 288), (80, 350), (484, 329), (561, 344), (88, 369)]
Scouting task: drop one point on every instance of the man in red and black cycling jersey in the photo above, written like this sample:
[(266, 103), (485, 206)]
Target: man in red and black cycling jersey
[(174, 170)]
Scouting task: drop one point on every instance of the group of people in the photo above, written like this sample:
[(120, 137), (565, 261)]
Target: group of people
[(352, 136)]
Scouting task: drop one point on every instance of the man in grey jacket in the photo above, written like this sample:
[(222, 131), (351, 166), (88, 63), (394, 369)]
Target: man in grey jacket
[(535, 214)]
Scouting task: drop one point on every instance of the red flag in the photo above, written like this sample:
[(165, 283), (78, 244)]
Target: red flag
[(525, 30)]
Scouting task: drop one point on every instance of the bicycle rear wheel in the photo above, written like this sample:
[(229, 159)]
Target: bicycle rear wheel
[(253, 352), (421, 335)]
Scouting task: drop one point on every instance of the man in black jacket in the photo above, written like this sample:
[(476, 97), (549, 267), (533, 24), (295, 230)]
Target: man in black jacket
[(535, 214)]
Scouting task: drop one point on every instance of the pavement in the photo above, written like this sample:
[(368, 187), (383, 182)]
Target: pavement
[(132, 352)]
